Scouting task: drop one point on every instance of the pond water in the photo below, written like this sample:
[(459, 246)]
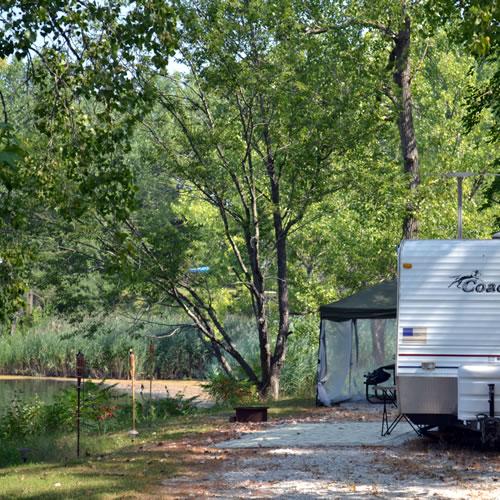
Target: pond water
[(27, 389)]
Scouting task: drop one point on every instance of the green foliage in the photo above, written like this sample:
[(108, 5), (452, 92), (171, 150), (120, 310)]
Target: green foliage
[(255, 135), (267, 120), (84, 59), (298, 378), (474, 24), (28, 418), (12, 220), (166, 406), (228, 390), (12, 281), (102, 410), (99, 404), (22, 419), (85, 65), (90, 45)]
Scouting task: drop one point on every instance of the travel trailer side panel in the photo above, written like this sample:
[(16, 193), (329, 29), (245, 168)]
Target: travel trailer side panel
[(428, 395), (448, 316)]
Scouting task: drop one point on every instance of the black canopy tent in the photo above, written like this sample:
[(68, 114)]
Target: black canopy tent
[(379, 301), (357, 334)]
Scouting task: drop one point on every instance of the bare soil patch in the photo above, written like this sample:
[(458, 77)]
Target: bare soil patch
[(188, 388)]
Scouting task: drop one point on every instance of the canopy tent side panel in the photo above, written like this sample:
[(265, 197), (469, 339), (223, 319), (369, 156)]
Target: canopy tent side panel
[(334, 361), (357, 335), (348, 350)]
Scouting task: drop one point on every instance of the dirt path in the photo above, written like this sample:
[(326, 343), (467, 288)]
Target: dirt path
[(420, 468), (188, 388)]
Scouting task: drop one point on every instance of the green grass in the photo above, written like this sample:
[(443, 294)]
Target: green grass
[(49, 347), (112, 466), (291, 407)]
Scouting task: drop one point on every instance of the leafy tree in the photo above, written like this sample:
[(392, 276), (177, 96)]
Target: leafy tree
[(272, 161), (406, 30), (15, 202), (254, 135), (389, 25), (82, 59), (352, 239), (474, 25)]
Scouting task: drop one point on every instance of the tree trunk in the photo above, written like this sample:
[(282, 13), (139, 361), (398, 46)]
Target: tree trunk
[(270, 384), (400, 61), (284, 315), (196, 309), (378, 340), (274, 381), (221, 358), (215, 349), (259, 305), (29, 302)]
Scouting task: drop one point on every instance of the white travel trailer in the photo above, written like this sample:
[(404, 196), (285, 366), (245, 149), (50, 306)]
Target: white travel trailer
[(448, 353)]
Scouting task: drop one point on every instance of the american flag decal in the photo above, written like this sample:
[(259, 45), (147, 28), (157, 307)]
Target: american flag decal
[(414, 335)]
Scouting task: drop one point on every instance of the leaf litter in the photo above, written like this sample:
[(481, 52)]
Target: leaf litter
[(420, 468)]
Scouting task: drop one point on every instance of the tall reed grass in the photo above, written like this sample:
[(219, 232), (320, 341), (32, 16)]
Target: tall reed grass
[(49, 348), (298, 377)]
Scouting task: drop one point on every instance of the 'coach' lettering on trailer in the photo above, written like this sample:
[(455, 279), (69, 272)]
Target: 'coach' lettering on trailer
[(474, 283)]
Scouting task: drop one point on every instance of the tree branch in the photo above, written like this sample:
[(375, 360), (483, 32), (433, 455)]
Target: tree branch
[(351, 21)]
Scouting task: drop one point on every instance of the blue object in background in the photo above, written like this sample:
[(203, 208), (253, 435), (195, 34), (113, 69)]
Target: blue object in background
[(202, 269)]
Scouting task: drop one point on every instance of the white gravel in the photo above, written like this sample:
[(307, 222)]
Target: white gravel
[(349, 473), (322, 434), (352, 461), (340, 455)]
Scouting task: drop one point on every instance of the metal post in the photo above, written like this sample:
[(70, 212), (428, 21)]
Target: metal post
[(491, 399), (80, 372), (151, 369), (78, 390), (460, 178), (460, 197), (132, 377)]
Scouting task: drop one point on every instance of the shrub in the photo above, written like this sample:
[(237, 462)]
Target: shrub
[(98, 406), (102, 410), (162, 408), (22, 419), (228, 390)]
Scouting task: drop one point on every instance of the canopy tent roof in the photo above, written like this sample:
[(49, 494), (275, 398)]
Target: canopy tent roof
[(379, 301)]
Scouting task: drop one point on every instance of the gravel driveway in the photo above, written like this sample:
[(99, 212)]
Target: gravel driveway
[(359, 472), (291, 468), (331, 434)]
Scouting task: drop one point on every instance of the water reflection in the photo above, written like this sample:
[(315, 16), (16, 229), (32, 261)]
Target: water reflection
[(27, 389)]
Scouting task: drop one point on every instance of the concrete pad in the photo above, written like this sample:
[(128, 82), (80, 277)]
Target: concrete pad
[(304, 435)]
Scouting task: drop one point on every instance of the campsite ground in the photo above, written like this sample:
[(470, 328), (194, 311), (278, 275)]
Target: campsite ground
[(437, 468), (180, 460)]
